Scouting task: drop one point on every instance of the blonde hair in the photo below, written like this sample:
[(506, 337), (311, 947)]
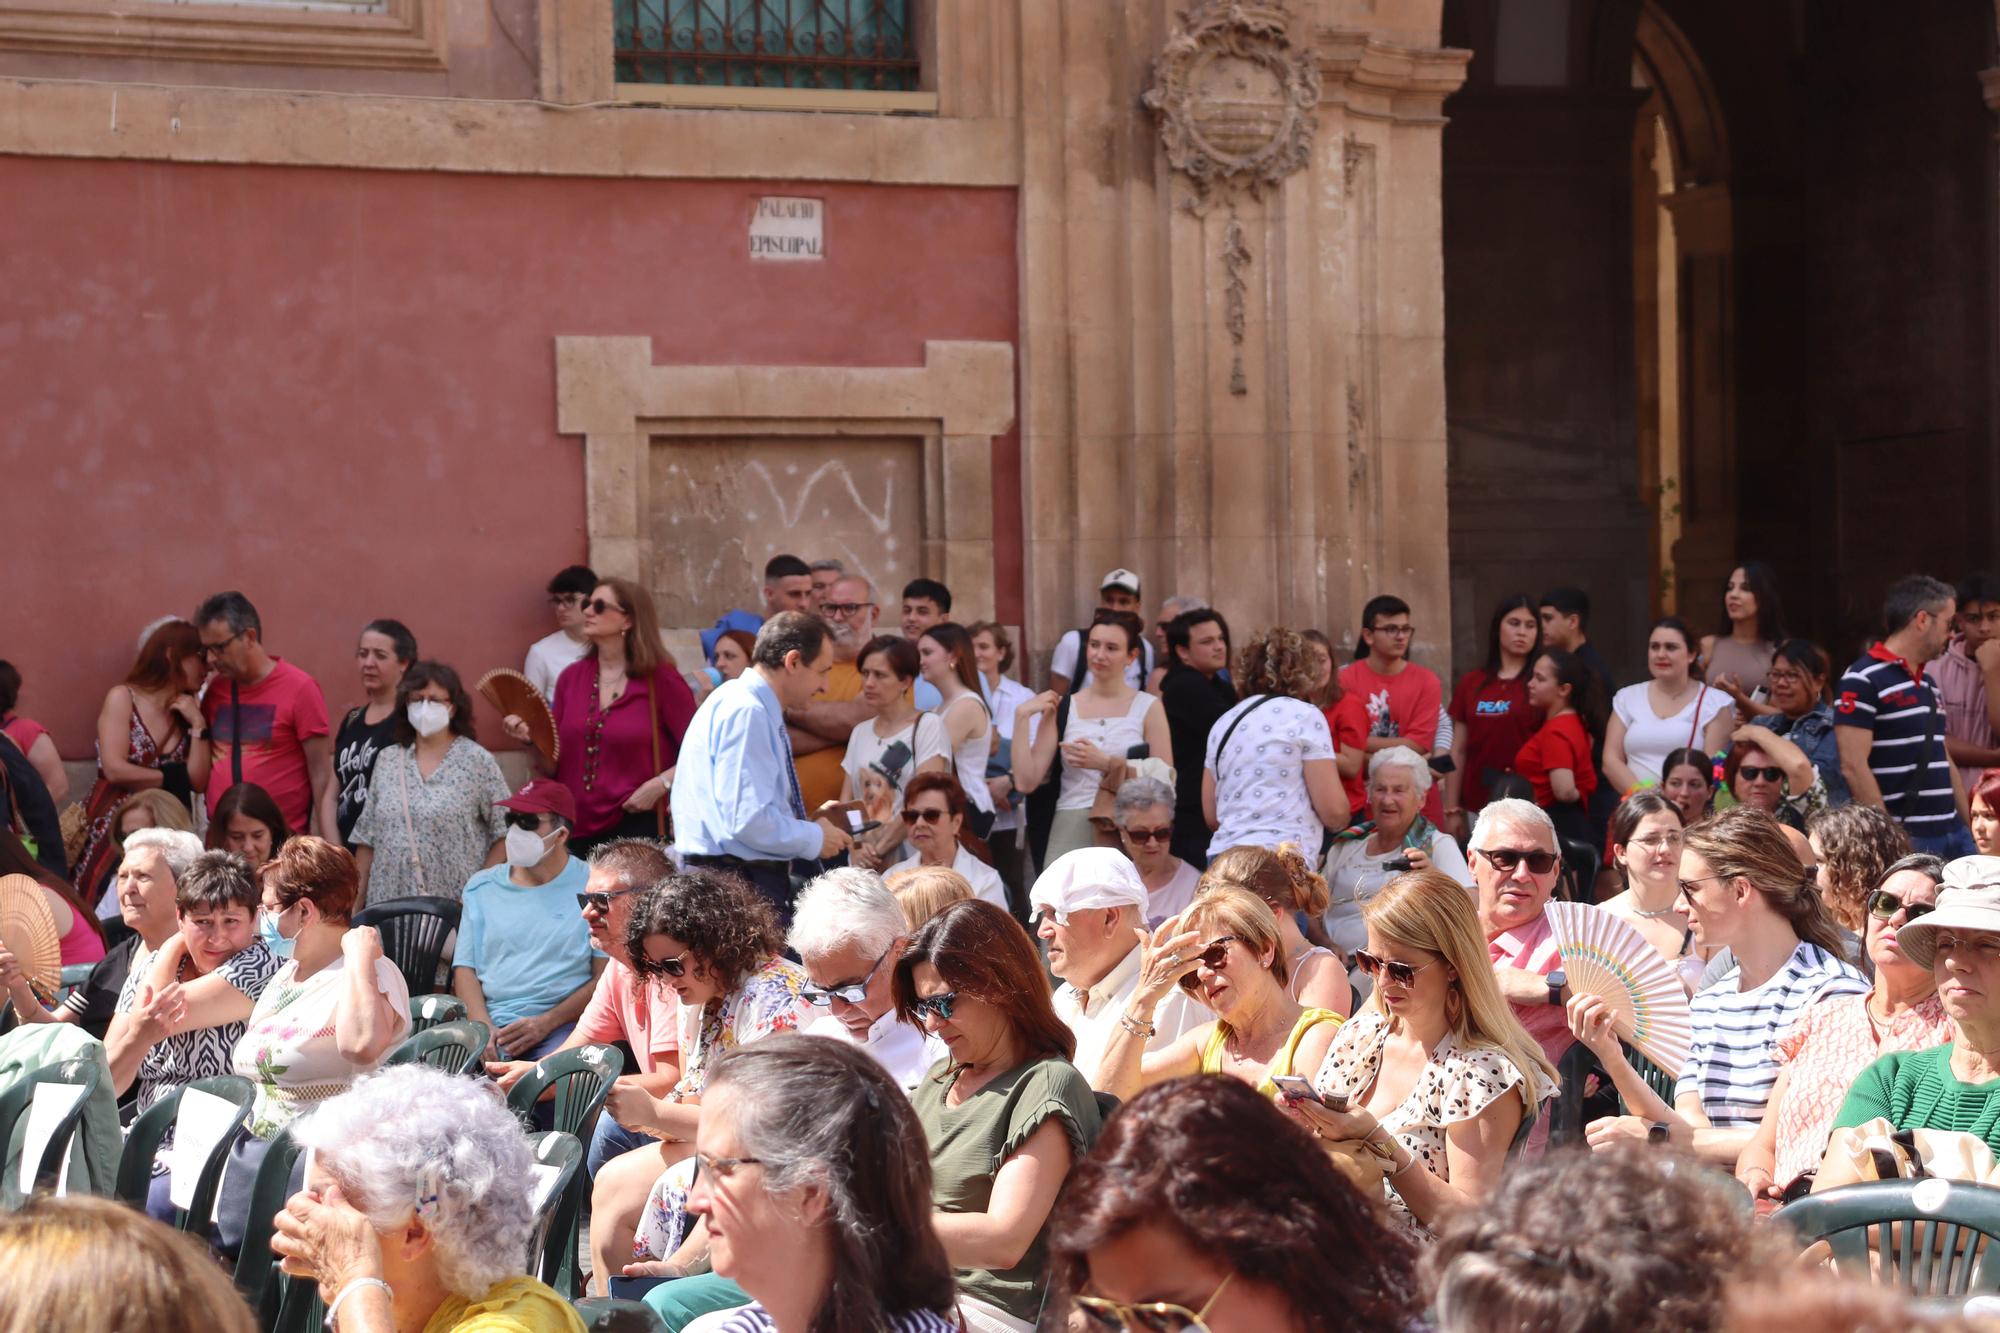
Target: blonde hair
[(1227, 910), (1430, 911), (82, 1262), (1283, 876), (927, 890), (164, 810)]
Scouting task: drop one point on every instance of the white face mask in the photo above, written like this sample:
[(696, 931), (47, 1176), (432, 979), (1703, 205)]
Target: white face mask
[(429, 716), (525, 847)]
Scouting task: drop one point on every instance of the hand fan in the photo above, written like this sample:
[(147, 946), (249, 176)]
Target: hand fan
[(1606, 957), (29, 933), (512, 693)]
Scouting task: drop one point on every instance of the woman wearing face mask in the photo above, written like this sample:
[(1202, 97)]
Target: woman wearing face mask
[(524, 965), (432, 817), (248, 824), (1672, 710), (334, 1009), (383, 654)]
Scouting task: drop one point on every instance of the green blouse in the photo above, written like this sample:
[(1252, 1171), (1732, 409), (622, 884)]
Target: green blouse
[(1917, 1090)]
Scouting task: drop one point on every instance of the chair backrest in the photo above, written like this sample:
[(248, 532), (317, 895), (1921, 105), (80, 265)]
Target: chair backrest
[(427, 1011), (448, 1046), (17, 1117), (552, 1252), (74, 975), (142, 1144), (1658, 1079), (414, 932), (581, 1077), (256, 1270), (1934, 1237), (1566, 1111)]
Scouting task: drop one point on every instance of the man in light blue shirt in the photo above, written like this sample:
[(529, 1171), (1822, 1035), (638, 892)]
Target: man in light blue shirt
[(736, 800)]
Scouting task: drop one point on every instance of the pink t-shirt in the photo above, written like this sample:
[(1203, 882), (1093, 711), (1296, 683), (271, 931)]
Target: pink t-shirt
[(643, 1016), (24, 731), (1533, 948), (279, 714)]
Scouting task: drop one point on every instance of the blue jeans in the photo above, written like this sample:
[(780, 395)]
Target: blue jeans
[(1949, 845), (611, 1139)]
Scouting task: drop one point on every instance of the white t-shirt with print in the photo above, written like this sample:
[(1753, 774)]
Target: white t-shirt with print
[(1260, 784)]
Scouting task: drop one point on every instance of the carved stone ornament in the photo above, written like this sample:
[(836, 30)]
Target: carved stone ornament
[(1235, 98)]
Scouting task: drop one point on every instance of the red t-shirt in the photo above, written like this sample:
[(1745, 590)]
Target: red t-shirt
[(1494, 716), (1348, 721), (279, 714), (1405, 704), (1561, 743)]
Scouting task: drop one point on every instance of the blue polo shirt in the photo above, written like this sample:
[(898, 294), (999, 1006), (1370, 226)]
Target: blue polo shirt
[(529, 947)]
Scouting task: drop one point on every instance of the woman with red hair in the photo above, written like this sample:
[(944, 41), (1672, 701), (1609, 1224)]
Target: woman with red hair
[(1986, 813), (935, 810)]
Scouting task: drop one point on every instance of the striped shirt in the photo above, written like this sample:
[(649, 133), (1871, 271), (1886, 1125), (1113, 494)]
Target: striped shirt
[(753, 1318), (1733, 1058), (1881, 694)]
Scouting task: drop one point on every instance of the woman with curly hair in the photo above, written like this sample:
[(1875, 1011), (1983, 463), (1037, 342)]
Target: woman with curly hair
[(1269, 774), (1203, 1207), (1286, 883), (714, 941), (1853, 845)]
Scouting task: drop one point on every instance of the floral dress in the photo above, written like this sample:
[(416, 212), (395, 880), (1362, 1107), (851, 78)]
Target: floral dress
[(93, 863), (430, 834), (1457, 1083), (288, 1049), (766, 1001)]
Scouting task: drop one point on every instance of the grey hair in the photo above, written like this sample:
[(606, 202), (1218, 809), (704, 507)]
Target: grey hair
[(1182, 604), (637, 862), (846, 908), (1931, 867), (867, 584), (1521, 814), (1140, 794), (827, 566), (413, 1139), (1402, 756), (798, 632), (232, 609), (177, 847)]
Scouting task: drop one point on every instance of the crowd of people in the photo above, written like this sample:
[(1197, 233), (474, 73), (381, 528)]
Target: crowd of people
[(1154, 998)]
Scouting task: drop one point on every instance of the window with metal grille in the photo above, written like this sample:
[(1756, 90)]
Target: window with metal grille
[(858, 45)]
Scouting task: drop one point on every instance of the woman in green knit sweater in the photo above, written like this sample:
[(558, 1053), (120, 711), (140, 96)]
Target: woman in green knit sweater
[(1955, 1086)]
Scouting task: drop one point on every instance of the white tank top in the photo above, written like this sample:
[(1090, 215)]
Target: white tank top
[(1113, 735), (970, 758)]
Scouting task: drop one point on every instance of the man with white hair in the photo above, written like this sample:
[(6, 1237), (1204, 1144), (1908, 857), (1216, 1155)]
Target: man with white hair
[(148, 875), (1515, 862), (1090, 910), (848, 931)]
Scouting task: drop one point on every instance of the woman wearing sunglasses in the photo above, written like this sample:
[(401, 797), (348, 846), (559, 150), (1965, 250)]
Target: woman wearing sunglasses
[(1436, 1071), (1746, 891), (620, 712), (1821, 1057), (1006, 1113), (1769, 773), (1204, 1210), (1289, 887), (714, 941), (934, 812), (1226, 952)]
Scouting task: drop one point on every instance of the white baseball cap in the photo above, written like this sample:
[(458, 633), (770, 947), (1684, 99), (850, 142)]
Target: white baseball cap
[(1121, 578), (1089, 877)]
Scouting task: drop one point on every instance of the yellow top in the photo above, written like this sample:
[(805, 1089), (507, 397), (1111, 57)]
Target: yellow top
[(515, 1305), (1211, 1053)]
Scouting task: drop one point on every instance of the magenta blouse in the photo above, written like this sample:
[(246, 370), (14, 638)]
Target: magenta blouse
[(606, 753)]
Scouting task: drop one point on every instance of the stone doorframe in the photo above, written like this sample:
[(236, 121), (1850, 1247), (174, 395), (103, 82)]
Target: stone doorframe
[(609, 391)]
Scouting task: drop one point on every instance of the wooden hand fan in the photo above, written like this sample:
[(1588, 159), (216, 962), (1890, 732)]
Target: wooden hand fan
[(1606, 957), (512, 693), (29, 933)]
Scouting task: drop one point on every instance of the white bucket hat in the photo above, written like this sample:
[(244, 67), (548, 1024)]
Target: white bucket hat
[(1968, 899)]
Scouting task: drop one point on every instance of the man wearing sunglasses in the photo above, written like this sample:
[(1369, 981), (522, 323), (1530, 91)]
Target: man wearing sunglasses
[(623, 1008), (1515, 861), (1089, 909), (848, 932)]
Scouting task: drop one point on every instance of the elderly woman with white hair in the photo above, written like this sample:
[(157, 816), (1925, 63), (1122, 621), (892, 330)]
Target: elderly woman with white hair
[(417, 1210), (1396, 840), (1144, 814)]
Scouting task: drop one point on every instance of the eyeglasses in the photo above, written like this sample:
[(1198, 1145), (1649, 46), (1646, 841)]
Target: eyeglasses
[(1883, 906), (822, 997), (844, 609), (598, 606), (1659, 842), (1164, 833), (1757, 773), (1983, 942), (934, 1006), (1212, 958), (1783, 678), (722, 1167), (672, 967), (1150, 1317), (1398, 631), (927, 815), (601, 902), (1507, 859), (217, 649), (1403, 974)]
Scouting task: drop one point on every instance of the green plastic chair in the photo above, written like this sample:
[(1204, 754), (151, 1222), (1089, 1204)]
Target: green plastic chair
[(142, 1144), (1658, 1079), (1934, 1238), (414, 934), (581, 1077), (14, 1105), (257, 1275), (612, 1316), (73, 976), (448, 1046), (556, 1221), (427, 1011)]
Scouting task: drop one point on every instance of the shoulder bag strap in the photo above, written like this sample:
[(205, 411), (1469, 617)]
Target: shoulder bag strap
[(1694, 727), (409, 826), (1262, 699), (653, 729), (235, 737)]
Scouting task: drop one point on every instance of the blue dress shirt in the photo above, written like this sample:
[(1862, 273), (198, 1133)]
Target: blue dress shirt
[(735, 790)]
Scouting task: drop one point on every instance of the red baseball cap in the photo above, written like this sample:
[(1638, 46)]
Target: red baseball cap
[(543, 796)]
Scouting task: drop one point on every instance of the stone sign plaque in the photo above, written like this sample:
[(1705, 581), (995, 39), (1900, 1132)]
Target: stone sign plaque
[(787, 229)]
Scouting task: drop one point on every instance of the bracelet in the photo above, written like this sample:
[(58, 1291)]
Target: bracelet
[(1138, 1027), (333, 1310)]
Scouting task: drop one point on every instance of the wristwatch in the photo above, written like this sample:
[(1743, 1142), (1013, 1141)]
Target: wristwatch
[(1658, 1134), (1557, 981)]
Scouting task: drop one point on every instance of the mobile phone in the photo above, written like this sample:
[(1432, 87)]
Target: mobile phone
[(1298, 1089), (1139, 752), (1400, 865)]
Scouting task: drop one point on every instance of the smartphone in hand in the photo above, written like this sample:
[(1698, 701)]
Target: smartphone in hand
[(1298, 1089)]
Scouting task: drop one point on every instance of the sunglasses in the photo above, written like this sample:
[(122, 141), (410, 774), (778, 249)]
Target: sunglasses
[(1150, 1317), (822, 997), (671, 967), (934, 1006), (1212, 958), (600, 902), (1403, 974), (1756, 774), (1506, 859), (1883, 906), (598, 606), (521, 819), (1164, 833), (929, 815)]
